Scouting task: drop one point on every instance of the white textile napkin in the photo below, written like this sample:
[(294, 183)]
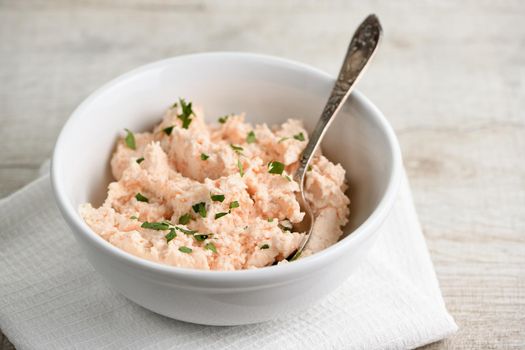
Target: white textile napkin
[(51, 298)]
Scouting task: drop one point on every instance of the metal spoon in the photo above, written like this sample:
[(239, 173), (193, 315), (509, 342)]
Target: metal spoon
[(361, 49)]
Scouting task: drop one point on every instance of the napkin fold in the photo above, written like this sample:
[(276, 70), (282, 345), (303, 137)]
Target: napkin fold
[(51, 298)]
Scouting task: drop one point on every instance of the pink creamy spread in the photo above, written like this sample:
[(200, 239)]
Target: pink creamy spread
[(216, 197)]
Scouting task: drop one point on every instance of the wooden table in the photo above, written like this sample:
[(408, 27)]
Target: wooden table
[(450, 77)]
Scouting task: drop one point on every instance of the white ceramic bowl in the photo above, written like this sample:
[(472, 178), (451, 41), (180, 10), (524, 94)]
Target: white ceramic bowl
[(269, 90)]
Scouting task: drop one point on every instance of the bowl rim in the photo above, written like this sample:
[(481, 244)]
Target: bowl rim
[(281, 272)]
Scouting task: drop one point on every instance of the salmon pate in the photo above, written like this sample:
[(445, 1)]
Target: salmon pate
[(217, 196)]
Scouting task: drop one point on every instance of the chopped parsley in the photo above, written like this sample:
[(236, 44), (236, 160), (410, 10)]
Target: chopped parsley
[(140, 160), (133, 217), (265, 246), (187, 111), (283, 139), (250, 138), (286, 225), (184, 219), (237, 149), (201, 236), (210, 246), (172, 234), (299, 136), (234, 204), (185, 249), (241, 169), (270, 219), (217, 197), (276, 167), (309, 168), (220, 215), (200, 208), (159, 226), (186, 232), (130, 139), (174, 105), (204, 156), (223, 120), (168, 130), (141, 198), (288, 178)]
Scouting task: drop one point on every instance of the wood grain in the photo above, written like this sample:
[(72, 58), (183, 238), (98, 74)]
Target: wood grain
[(450, 76)]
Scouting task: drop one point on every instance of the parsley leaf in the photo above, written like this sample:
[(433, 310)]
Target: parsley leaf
[(172, 234), (186, 232), (204, 156), (299, 136), (187, 111), (168, 130), (210, 246), (130, 139), (234, 204), (159, 226), (185, 249), (217, 197), (140, 160), (141, 198), (220, 215), (309, 168), (201, 236), (237, 149), (251, 137), (184, 219), (283, 139), (241, 169), (265, 246), (223, 120), (200, 208), (276, 167)]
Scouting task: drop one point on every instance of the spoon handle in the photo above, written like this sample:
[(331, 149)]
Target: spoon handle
[(360, 51)]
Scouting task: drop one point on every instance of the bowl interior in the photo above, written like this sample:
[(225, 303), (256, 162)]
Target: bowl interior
[(269, 90)]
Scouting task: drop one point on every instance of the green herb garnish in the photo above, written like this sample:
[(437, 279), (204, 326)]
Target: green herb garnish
[(282, 139), (210, 246), (220, 215), (174, 105), (241, 168), (172, 234), (270, 219), (184, 219), (133, 217), (265, 246), (251, 137), (186, 232), (185, 249), (299, 136), (200, 208), (168, 130), (276, 167), (204, 156), (234, 204), (217, 197), (223, 120), (130, 139), (237, 149), (140, 160), (159, 226), (201, 236), (187, 111), (288, 178), (309, 168), (141, 198)]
